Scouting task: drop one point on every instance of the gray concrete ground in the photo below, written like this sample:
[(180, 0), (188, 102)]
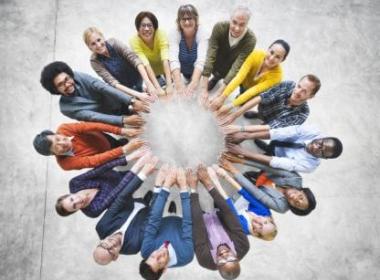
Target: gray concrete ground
[(337, 40)]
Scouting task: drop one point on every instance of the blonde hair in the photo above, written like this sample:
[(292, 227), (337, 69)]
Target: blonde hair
[(88, 32), (184, 10)]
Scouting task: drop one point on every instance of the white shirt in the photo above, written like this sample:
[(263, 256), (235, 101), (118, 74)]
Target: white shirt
[(291, 159), (234, 41)]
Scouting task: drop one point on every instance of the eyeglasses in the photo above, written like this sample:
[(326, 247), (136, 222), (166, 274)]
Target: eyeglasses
[(187, 19), (64, 82), (226, 260), (146, 25)]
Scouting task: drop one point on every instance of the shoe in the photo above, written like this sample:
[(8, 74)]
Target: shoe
[(212, 83), (251, 115), (172, 208), (122, 141), (262, 145), (148, 197)]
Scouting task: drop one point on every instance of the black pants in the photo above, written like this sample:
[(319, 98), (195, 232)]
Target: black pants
[(115, 142)]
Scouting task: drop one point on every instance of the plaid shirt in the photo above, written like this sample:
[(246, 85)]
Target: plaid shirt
[(275, 112)]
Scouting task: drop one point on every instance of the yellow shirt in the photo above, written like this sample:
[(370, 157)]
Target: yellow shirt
[(155, 56), (247, 77)]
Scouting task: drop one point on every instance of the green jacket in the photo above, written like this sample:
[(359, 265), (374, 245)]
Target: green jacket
[(223, 59)]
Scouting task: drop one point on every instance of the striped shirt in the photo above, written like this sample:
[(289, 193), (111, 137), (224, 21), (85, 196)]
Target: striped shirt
[(274, 110), (187, 57)]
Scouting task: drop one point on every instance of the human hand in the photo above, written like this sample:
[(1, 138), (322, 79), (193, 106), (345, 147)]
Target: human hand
[(180, 87), (229, 129), (140, 162), (171, 177), (169, 89), (235, 149), (225, 109), (237, 137), (132, 145), (227, 165), (160, 178), (227, 119), (131, 132), (140, 106), (137, 154), (146, 97), (181, 178), (203, 98), (220, 171), (150, 165), (191, 178), (133, 120), (217, 102), (189, 91), (204, 178)]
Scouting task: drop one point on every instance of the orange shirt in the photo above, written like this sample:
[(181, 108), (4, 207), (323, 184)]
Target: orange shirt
[(90, 146), (263, 180)]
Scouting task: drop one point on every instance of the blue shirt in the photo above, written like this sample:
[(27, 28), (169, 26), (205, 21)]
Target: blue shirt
[(187, 57)]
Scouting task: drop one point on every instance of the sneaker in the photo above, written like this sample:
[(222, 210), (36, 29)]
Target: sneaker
[(251, 115), (172, 208), (251, 176), (148, 197), (212, 83), (262, 145)]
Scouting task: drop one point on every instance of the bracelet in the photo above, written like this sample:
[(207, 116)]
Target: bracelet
[(242, 128)]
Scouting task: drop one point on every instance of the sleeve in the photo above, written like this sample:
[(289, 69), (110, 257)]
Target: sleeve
[(294, 118), (294, 133), (129, 187), (186, 217), (232, 207), (106, 197), (241, 75), (153, 225), (70, 129), (269, 80), (174, 50), (212, 50), (103, 72), (232, 224), (125, 52), (79, 180), (253, 201), (164, 45), (76, 162), (135, 43), (202, 41), (200, 236), (92, 116), (105, 89), (273, 93), (278, 205), (245, 50), (297, 165)]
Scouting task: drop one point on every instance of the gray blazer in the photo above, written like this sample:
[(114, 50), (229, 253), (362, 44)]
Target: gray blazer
[(95, 101)]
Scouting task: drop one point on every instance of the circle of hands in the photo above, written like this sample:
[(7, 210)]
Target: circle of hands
[(182, 177)]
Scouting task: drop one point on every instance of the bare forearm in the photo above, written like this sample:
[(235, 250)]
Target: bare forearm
[(144, 75), (248, 105), (167, 72)]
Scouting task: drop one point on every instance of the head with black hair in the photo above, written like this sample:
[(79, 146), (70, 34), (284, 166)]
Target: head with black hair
[(301, 201), (327, 147), (58, 78)]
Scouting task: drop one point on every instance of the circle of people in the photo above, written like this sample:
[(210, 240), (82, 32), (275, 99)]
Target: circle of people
[(135, 78)]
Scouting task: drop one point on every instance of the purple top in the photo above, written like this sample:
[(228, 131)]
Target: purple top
[(217, 234), (106, 180)]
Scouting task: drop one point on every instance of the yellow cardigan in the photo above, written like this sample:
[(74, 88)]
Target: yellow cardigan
[(155, 56), (247, 77)]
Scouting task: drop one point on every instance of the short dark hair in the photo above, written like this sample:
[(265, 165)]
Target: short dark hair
[(338, 147), (283, 44), (147, 273), (51, 71), (141, 15), (229, 275), (315, 80), (59, 206), (312, 203), (42, 144)]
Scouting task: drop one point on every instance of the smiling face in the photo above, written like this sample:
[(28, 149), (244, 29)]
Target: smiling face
[(274, 56), (97, 44), (74, 202), (64, 84), (321, 148), (303, 91), (262, 226), (187, 24), (238, 24), (146, 30), (158, 259), (296, 198), (61, 144)]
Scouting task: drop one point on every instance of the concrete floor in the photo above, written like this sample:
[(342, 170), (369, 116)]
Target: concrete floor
[(337, 40)]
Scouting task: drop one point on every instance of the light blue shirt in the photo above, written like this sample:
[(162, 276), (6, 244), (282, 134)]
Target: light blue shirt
[(292, 159)]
